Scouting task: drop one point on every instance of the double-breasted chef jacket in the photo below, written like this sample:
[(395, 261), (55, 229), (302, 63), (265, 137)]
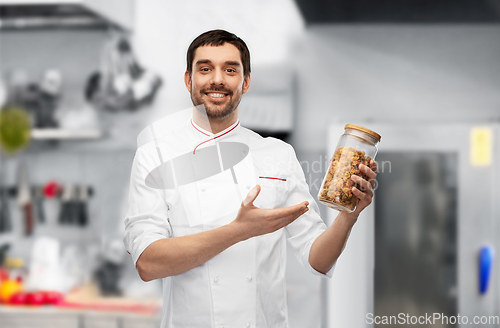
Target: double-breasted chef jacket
[(244, 286)]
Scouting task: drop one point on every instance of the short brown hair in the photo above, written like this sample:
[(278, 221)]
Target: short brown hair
[(217, 38)]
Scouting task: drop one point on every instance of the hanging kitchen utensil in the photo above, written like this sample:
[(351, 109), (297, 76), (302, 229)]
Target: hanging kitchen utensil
[(121, 82), (74, 206), (83, 199), (65, 214), (110, 88), (145, 82), (5, 223), (52, 192), (24, 198), (40, 214), (51, 189)]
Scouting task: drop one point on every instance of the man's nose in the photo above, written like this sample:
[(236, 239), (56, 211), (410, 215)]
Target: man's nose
[(217, 77)]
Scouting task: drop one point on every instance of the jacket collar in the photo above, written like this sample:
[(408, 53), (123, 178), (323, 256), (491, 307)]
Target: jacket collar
[(200, 132), (206, 136)]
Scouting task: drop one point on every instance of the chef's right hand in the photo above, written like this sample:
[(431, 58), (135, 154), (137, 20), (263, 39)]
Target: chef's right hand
[(254, 221)]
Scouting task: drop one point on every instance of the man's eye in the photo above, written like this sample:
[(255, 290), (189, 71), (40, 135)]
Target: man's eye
[(231, 70), (205, 69)]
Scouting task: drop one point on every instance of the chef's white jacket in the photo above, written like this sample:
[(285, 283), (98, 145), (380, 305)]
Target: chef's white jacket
[(244, 286)]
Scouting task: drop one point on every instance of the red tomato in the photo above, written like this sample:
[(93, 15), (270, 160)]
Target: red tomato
[(52, 297), (19, 298), (35, 298), (4, 275)]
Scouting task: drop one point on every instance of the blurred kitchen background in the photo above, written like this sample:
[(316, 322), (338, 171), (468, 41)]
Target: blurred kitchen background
[(82, 78)]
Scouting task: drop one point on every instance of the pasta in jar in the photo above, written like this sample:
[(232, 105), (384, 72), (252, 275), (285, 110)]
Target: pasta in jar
[(337, 187), (357, 146)]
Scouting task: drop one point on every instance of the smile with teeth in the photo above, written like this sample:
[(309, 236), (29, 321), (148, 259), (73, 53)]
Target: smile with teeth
[(216, 95)]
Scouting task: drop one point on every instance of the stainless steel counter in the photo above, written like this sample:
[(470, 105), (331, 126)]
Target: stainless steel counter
[(53, 317)]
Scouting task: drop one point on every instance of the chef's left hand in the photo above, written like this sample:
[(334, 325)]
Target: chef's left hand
[(365, 197)]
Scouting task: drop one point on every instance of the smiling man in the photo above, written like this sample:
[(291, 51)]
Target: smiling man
[(217, 75), (220, 100), (222, 256)]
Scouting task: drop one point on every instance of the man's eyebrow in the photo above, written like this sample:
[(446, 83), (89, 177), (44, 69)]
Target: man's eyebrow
[(208, 61), (233, 63), (203, 61)]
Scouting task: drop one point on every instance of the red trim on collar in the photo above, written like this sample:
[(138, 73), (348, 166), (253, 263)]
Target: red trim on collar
[(272, 178), (198, 129), (201, 143)]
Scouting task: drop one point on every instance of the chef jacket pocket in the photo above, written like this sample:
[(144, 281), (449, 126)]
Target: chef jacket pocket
[(274, 188)]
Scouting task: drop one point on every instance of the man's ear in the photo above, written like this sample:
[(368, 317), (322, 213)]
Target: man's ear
[(187, 81), (246, 83)]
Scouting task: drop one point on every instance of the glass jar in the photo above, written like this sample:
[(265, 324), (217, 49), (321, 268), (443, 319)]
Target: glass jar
[(358, 145)]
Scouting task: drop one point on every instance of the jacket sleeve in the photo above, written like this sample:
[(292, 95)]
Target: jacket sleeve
[(303, 232), (146, 220)]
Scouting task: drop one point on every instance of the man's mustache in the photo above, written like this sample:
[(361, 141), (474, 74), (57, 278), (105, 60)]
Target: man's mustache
[(217, 90)]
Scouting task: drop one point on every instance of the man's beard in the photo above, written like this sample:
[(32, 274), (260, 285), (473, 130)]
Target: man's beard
[(215, 111)]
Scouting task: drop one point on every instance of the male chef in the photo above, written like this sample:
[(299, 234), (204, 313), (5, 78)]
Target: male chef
[(218, 240)]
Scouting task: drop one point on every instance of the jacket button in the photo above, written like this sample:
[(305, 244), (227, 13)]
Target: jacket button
[(202, 189), (249, 278), (216, 279), (248, 324), (248, 186)]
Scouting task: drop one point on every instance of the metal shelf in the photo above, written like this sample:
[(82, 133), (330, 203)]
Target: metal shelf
[(83, 13), (60, 134)]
